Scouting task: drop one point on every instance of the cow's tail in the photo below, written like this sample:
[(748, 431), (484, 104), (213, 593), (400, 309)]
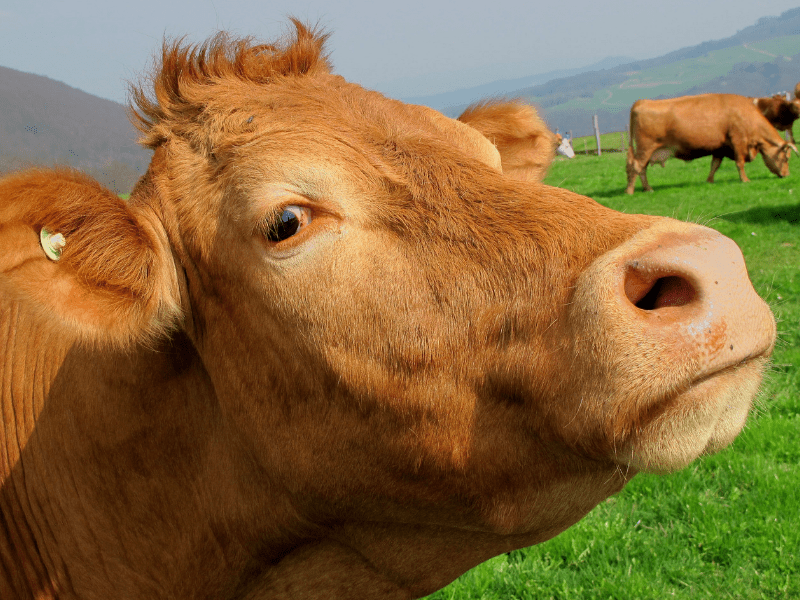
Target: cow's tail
[(630, 164), (631, 135)]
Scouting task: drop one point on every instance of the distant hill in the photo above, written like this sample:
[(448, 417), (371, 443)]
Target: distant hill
[(757, 61), (46, 122), (504, 86)]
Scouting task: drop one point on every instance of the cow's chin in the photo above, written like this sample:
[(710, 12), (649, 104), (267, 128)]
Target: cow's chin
[(702, 420)]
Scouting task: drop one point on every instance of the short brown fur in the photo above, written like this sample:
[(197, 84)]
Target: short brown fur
[(526, 144), (780, 112), (442, 363)]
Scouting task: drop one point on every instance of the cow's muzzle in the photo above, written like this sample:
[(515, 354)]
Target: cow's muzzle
[(677, 340)]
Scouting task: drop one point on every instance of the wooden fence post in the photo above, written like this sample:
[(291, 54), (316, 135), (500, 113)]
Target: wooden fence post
[(596, 134)]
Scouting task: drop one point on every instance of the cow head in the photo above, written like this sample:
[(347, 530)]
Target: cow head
[(400, 348), (565, 148), (776, 156)]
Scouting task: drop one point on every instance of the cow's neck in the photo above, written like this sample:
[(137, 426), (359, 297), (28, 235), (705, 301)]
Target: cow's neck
[(115, 473), (123, 480), (26, 374)]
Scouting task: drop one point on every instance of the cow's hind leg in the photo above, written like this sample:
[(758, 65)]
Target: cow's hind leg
[(643, 175), (715, 162), (630, 169), (740, 166), (637, 166)]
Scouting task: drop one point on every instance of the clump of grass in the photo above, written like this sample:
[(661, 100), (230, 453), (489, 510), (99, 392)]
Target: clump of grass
[(729, 525)]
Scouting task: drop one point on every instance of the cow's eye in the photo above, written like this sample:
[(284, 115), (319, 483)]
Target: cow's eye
[(286, 222)]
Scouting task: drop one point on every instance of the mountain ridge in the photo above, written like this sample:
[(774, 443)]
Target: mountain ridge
[(464, 96), (44, 122), (47, 122), (559, 100)]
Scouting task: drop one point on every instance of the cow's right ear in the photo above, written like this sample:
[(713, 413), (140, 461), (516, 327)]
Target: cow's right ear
[(79, 256), (525, 143)]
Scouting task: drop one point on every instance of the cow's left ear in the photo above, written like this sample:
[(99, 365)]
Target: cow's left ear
[(83, 259), (525, 143)]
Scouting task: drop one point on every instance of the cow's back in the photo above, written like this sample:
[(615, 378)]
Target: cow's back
[(690, 123)]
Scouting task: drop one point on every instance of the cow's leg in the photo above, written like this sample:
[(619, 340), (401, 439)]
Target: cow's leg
[(740, 166), (715, 163), (645, 184), (637, 166), (630, 168)]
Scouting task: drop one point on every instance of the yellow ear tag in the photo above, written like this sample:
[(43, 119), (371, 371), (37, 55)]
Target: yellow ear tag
[(52, 244)]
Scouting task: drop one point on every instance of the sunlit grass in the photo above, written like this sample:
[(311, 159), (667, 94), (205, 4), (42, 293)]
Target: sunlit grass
[(729, 525)]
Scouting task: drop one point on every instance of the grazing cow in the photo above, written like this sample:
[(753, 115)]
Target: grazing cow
[(329, 349), (689, 127), (780, 112)]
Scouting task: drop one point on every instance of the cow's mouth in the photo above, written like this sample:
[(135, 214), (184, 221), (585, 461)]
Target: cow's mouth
[(702, 419)]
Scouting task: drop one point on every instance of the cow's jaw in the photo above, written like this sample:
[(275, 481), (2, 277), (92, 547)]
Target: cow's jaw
[(703, 420)]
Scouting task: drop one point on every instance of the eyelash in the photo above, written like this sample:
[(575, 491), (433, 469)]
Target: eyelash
[(285, 222)]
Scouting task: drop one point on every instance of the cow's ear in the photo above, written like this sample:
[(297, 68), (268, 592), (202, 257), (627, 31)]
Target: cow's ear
[(81, 257), (526, 144)]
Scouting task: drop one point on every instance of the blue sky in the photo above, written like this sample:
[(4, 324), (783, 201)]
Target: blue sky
[(408, 48)]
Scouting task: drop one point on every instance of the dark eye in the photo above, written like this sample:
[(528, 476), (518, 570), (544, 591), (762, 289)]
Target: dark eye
[(287, 222)]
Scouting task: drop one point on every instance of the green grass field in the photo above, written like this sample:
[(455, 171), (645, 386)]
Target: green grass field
[(616, 141), (727, 527)]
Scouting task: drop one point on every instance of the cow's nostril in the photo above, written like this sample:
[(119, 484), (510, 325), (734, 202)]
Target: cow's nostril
[(650, 291), (664, 292)]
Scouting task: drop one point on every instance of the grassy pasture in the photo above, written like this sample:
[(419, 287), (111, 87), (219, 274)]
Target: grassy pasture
[(616, 141), (728, 526)]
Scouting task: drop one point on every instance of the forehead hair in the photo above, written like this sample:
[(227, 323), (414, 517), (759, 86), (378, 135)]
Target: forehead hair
[(182, 70)]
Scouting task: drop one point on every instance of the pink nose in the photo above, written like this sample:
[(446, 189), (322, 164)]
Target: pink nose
[(692, 291), (673, 340)]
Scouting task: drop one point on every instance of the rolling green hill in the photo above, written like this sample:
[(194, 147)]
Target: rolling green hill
[(678, 78), (758, 61)]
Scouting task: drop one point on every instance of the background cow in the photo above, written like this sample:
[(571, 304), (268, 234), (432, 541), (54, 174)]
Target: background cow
[(780, 112), (689, 127), (330, 349)]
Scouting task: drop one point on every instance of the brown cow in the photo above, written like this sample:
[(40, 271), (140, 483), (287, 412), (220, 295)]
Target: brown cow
[(780, 112), (329, 350), (690, 127)]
